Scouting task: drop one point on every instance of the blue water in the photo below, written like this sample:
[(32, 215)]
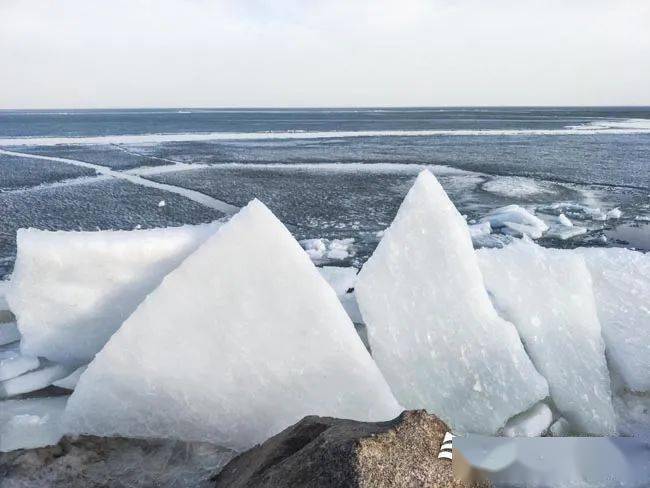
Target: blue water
[(316, 175)]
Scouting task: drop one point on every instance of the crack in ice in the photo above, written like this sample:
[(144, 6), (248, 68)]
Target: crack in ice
[(136, 179)]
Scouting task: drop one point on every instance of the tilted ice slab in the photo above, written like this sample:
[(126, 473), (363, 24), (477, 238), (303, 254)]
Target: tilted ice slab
[(547, 294), (432, 329), (25, 424), (237, 343), (621, 280), (71, 291)]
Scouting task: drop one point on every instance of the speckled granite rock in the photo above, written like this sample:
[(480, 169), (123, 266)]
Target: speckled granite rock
[(323, 452)]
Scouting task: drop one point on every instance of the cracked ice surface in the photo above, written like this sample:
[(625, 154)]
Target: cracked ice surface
[(232, 348), (547, 294), (432, 329)]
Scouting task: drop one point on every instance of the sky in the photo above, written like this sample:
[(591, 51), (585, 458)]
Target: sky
[(330, 53)]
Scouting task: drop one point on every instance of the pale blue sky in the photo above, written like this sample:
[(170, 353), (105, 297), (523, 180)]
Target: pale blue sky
[(148, 53)]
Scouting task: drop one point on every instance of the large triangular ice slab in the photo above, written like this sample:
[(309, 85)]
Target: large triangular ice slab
[(547, 294), (243, 339), (72, 290), (432, 328)]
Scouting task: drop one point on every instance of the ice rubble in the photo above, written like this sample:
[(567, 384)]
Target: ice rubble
[(231, 348), (547, 294), (71, 291), (13, 363), (320, 250), (621, 280), (532, 423), (432, 329), (30, 423)]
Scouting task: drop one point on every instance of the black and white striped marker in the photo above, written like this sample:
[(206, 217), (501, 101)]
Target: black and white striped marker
[(445, 449)]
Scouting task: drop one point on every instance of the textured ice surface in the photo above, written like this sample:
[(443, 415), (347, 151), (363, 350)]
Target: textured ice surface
[(8, 333), (621, 280), (35, 422), (432, 329), (514, 214), (531, 423), (70, 381), (340, 279), (13, 363), (34, 380), (71, 290), (235, 345), (547, 294)]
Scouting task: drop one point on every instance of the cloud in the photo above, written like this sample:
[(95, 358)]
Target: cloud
[(92, 53)]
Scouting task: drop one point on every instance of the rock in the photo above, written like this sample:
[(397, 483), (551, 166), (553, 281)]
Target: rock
[(324, 452), (91, 462)]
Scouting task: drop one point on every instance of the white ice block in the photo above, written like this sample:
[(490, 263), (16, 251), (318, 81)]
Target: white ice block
[(432, 329), (514, 214), (532, 423), (70, 291), (547, 294), (26, 424), (236, 344), (70, 381), (13, 363), (340, 279), (621, 279), (34, 380), (9, 333)]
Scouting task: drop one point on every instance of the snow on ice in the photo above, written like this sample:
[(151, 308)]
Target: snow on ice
[(71, 291), (232, 348), (547, 294), (432, 328)]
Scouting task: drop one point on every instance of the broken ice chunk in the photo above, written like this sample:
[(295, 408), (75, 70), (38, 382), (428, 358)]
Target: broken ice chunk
[(432, 329), (9, 333), (70, 381), (614, 213), (519, 216), (264, 342), (531, 423), (564, 233), (26, 424), (34, 380), (521, 230), (621, 280), (564, 220), (13, 363), (547, 294), (340, 279), (72, 290)]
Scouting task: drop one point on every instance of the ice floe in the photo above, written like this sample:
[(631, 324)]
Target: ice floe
[(35, 422), (70, 291), (432, 329), (621, 280), (232, 347), (547, 294), (515, 187)]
